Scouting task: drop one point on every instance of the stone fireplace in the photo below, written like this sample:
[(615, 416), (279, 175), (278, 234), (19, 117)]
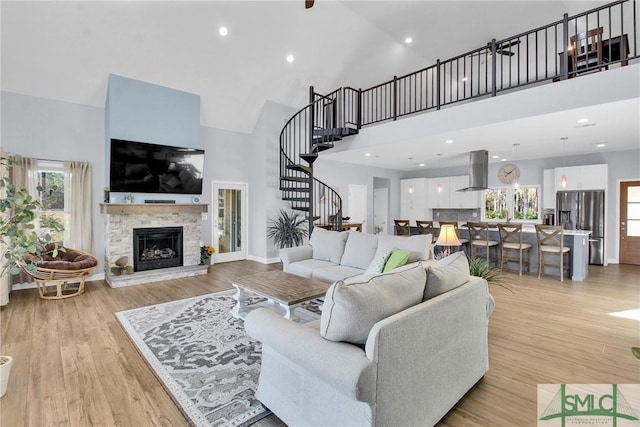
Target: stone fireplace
[(122, 221), (158, 247)]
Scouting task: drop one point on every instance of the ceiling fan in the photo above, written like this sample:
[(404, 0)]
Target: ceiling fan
[(308, 4), (501, 49), (505, 48)]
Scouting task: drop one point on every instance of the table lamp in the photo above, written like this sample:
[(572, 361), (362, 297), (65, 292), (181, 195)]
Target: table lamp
[(447, 238)]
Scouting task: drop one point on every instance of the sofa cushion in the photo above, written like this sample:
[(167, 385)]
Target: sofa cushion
[(398, 258), (328, 245), (446, 274), (377, 265), (332, 273), (418, 245), (359, 249), (352, 306), (305, 268)]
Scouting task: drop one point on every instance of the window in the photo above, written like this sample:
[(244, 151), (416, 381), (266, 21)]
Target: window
[(51, 177), (520, 204)]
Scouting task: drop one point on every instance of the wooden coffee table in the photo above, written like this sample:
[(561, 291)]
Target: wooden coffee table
[(284, 290)]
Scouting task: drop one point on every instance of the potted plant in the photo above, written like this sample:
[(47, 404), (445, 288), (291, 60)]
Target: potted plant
[(478, 267), (206, 254), (18, 212), (287, 229)]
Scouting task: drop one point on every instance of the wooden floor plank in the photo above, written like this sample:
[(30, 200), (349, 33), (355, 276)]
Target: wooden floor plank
[(74, 364)]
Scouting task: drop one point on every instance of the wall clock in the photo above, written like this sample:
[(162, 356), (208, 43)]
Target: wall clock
[(509, 173)]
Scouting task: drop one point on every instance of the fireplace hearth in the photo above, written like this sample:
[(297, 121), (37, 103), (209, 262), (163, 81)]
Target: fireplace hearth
[(155, 248)]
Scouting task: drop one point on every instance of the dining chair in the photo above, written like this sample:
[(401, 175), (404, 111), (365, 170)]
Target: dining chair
[(402, 227), (480, 243), (426, 227), (551, 243), (586, 50), (511, 241), (463, 242)]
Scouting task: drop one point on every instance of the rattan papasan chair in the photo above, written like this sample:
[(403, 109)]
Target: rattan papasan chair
[(53, 274)]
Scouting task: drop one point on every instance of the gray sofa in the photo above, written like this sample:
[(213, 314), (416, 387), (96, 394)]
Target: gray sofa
[(333, 255), (391, 349)]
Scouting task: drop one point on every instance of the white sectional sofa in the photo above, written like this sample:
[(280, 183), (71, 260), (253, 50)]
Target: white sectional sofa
[(391, 349), (333, 255)]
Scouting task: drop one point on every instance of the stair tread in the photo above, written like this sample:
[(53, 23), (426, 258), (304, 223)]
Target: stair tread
[(301, 168), (297, 189), (294, 178)]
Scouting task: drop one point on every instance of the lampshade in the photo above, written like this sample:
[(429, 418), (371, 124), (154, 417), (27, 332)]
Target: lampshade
[(448, 236)]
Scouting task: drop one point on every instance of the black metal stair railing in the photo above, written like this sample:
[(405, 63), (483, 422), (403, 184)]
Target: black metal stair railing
[(532, 57), (315, 128)]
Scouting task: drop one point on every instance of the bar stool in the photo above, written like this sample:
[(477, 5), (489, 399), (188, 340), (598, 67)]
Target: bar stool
[(551, 242), (463, 242), (426, 227), (479, 241), (402, 227), (511, 241)]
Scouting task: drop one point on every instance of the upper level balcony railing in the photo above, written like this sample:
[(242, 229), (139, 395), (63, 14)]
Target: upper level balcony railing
[(536, 56)]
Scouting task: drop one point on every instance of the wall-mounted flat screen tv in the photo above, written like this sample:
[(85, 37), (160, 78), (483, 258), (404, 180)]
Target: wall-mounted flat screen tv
[(138, 167)]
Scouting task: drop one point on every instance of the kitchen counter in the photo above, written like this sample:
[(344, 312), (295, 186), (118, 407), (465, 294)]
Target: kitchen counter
[(577, 240)]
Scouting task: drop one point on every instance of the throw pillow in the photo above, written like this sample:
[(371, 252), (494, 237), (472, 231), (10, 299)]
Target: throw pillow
[(377, 265), (327, 245), (398, 258), (359, 249), (447, 274), (418, 245), (352, 306)]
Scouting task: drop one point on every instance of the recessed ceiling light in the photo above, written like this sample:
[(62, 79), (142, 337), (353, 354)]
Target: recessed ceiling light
[(601, 144), (503, 160), (367, 154), (421, 165), (449, 141), (496, 157), (223, 31), (408, 40), (290, 58), (583, 121)]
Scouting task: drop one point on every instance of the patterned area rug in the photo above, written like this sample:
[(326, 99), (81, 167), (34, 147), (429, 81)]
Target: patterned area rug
[(202, 356)]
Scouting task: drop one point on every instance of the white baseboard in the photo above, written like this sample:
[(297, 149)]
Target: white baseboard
[(263, 260), (32, 285)]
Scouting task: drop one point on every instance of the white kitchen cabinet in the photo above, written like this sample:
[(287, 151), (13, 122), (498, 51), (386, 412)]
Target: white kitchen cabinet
[(462, 199), (438, 193), (413, 200), (444, 194), (549, 189), (588, 177), (594, 177)]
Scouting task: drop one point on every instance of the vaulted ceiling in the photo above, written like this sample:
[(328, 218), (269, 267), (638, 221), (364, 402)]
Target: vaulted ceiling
[(65, 50)]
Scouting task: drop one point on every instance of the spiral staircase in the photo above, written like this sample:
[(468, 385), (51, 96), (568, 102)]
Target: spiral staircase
[(313, 129)]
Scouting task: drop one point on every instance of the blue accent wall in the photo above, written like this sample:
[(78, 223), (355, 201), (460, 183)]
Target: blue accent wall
[(146, 112)]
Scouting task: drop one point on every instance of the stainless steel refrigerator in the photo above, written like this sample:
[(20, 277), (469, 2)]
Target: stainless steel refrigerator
[(584, 210)]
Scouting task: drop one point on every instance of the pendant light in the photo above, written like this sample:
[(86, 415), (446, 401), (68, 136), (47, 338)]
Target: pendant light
[(563, 180), (515, 184)]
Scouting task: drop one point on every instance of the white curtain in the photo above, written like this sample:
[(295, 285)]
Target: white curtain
[(24, 174), (79, 202)]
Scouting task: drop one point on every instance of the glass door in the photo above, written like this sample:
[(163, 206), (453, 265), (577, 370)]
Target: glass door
[(229, 226)]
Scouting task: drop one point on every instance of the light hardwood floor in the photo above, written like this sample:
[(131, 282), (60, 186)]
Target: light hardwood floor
[(75, 366)]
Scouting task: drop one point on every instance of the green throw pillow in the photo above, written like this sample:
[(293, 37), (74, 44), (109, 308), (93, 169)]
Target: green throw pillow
[(398, 258)]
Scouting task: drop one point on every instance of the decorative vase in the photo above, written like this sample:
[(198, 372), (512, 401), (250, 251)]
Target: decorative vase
[(210, 260), (5, 369)]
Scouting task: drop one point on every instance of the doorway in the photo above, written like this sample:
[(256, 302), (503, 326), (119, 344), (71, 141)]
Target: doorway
[(358, 205), (629, 226), (380, 210), (229, 225)]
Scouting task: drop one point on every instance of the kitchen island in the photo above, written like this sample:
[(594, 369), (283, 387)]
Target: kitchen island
[(577, 240)]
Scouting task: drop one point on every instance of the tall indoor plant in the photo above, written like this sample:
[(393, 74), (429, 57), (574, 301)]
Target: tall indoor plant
[(18, 213), (288, 229)]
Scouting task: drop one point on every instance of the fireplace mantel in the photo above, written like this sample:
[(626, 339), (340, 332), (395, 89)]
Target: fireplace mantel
[(150, 208)]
